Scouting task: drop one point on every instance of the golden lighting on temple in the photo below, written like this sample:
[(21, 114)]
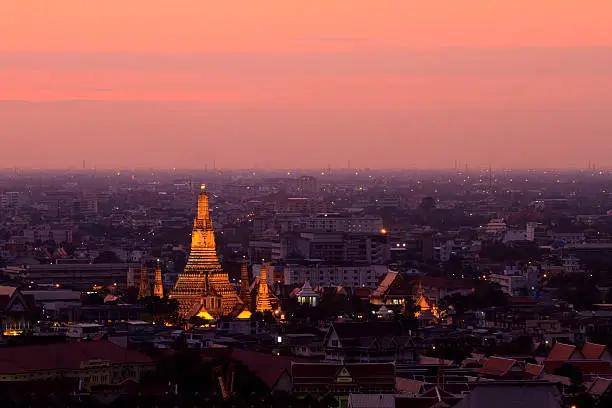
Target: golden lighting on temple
[(263, 300), (203, 287), (12, 333), (245, 315), (205, 315)]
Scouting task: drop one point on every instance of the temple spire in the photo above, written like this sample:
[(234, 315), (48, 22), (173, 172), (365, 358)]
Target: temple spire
[(203, 277), (144, 289), (264, 301), (203, 213), (245, 285), (158, 287)]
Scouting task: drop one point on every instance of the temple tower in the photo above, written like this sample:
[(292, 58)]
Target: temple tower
[(264, 300), (203, 276), (144, 289), (245, 285), (158, 286)]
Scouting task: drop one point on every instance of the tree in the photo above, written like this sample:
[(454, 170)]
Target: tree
[(92, 299), (131, 295), (328, 401), (162, 310), (577, 289), (570, 371), (107, 257)]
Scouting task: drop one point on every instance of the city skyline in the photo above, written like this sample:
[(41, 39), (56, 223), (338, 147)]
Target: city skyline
[(399, 85)]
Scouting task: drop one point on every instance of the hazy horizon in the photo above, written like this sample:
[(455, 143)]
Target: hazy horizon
[(295, 85)]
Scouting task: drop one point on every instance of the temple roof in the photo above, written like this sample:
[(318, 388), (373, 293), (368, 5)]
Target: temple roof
[(307, 291), (245, 314)]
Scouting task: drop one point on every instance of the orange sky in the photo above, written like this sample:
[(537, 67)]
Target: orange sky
[(280, 83)]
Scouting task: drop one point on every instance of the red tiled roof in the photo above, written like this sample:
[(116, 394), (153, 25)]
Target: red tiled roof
[(562, 352), (556, 379), (426, 360), (586, 366), (534, 369), (267, 367), (361, 292), (517, 300), (406, 385), (600, 386), (68, 356), (497, 366), (592, 351)]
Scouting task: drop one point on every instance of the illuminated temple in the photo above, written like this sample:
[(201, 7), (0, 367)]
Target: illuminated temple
[(264, 300), (203, 289)]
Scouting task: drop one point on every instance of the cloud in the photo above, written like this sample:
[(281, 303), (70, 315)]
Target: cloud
[(348, 39), (513, 61)]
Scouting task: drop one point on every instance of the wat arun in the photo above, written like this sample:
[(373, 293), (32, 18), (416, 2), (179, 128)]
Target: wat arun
[(203, 289)]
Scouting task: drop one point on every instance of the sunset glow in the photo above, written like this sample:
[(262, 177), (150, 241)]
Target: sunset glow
[(389, 84)]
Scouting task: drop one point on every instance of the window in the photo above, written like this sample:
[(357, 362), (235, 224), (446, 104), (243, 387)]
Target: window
[(334, 343)]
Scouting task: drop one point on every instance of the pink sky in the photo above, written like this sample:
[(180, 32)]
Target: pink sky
[(305, 83)]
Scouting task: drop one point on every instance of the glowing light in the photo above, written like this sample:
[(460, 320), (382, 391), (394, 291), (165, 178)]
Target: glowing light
[(383, 231), (245, 314), (205, 315), (203, 187)]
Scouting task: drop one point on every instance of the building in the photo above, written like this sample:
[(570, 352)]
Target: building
[(261, 249), (144, 287), (496, 227), (245, 285), (93, 363), (375, 341), (300, 205), (16, 309), (394, 289), (339, 380), (307, 296), (203, 284), (54, 302), (80, 276), (513, 394), (263, 300), (158, 285), (328, 274), (307, 185), (10, 199)]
